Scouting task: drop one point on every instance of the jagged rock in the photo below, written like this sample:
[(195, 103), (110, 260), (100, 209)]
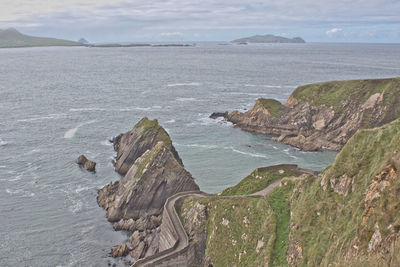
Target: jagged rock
[(120, 251), (153, 171), (324, 116), (86, 164), (215, 115), (154, 177), (138, 251), (144, 136)]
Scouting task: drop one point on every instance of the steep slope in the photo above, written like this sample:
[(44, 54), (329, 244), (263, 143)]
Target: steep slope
[(350, 214), (153, 173), (13, 38), (325, 115), (144, 136)]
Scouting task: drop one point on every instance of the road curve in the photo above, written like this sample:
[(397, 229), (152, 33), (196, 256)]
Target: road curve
[(180, 233)]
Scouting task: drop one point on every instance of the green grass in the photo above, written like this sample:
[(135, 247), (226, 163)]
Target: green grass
[(332, 94), (248, 222), (328, 223), (258, 180), (279, 200), (272, 105)]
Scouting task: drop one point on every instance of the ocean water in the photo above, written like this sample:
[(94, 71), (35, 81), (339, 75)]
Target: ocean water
[(58, 103)]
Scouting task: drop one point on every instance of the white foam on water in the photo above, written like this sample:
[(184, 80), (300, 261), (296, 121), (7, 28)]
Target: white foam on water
[(157, 107), (171, 121), (106, 143), (48, 117), (2, 142), (3, 167), (71, 132), (86, 109), (198, 145), (80, 189), (254, 155), (183, 84), (20, 192), (184, 99)]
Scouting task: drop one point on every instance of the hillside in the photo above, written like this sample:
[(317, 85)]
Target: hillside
[(347, 215), (268, 39), (324, 115), (12, 38)]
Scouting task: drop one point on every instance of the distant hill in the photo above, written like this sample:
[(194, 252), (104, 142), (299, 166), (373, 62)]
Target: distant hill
[(13, 38), (83, 41), (268, 39)]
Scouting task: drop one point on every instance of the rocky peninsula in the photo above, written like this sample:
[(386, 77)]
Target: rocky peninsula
[(153, 172), (323, 115)]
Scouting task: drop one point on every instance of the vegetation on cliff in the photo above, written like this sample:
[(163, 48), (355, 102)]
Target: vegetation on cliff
[(240, 231), (259, 179), (324, 115), (350, 213)]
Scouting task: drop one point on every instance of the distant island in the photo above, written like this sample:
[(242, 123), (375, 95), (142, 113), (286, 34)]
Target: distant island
[(12, 38), (269, 38)]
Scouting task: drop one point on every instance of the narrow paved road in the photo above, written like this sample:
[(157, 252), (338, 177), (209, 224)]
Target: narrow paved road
[(183, 239)]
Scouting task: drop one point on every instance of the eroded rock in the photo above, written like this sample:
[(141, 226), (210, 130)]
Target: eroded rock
[(86, 163)]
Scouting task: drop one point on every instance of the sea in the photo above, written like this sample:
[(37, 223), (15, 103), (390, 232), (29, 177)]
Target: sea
[(58, 102)]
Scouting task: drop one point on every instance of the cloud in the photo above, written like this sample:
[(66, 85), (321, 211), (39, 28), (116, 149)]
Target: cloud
[(335, 32), (132, 19), (171, 34)]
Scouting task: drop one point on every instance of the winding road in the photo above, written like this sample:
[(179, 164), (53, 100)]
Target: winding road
[(182, 238)]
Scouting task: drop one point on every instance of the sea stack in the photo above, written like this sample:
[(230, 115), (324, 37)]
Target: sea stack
[(153, 171), (86, 164)]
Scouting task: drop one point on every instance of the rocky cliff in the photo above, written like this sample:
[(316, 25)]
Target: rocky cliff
[(153, 172), (346, 215), (325, 115)]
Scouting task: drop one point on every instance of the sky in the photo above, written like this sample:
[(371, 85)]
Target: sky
[(205, 20)]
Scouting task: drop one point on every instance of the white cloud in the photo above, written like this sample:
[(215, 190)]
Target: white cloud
[(335, 32), (171, 34)]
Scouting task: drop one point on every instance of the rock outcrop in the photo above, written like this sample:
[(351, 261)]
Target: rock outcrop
[(152, 172), (326, 115), (86, 164), (144, 136)]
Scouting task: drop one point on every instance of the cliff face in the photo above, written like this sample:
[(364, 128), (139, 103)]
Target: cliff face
[(153, 172), (326, 115), (144, 136), (350, 213)]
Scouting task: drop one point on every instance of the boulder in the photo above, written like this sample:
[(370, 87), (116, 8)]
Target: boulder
[(215, 115), (86, 164)]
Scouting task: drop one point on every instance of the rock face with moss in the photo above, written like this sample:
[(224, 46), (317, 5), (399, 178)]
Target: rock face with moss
[(325, 115), (350, 213), (153, 172)]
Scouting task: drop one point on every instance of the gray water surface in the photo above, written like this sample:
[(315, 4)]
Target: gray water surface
[(58, 103)]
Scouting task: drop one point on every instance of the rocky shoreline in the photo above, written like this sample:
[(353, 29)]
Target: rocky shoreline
[(323, 116)]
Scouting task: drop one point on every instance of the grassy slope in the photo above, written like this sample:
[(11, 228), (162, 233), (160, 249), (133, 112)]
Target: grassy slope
[(12, 38), (272, 105), (333, 93), (329, 223), (236, 242), (258, 180)]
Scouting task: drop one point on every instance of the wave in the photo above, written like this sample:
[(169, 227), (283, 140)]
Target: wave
[(20, 192), (2, 142), (171, 121), (48, 117), (107, 143), (71, 132), (198, 145), (183, 99), (270, 86), (183, 84), (86, 109), (80, 189), (254, 155), (3, 167)]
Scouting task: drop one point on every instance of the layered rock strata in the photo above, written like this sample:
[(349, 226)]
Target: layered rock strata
[(152, 172), (325, 115)]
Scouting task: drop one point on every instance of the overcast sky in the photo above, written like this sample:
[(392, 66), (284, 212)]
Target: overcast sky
[(205, 20)]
